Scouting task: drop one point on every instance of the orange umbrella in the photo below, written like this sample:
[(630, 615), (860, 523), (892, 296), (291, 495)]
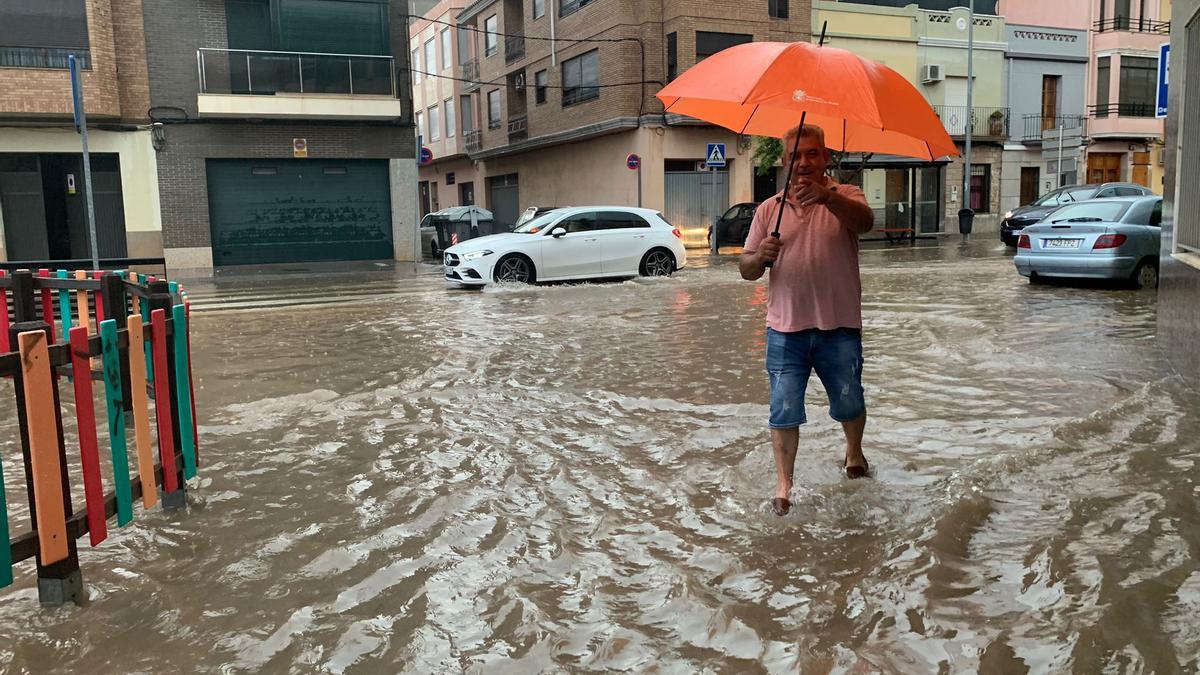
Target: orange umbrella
[(763, 88)]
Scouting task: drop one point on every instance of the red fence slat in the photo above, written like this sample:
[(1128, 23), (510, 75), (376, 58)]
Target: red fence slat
[(89, 447)]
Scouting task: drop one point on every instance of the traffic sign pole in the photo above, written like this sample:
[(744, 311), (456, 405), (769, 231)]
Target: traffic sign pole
[(81, 126)]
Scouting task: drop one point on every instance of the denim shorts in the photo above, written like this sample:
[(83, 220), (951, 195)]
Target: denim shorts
[(837, 357)]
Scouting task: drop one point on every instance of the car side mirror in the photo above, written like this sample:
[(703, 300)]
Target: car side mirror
[(558, 232)]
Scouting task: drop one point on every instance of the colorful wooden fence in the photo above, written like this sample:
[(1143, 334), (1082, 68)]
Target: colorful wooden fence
[(130, 333)]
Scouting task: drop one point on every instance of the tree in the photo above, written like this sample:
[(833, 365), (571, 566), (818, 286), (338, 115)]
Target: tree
[(767, 151)]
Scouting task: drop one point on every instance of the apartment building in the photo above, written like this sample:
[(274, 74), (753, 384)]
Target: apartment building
[(43, 212), (1046, 63), (553, 96), (286, 130), (1125, 138)]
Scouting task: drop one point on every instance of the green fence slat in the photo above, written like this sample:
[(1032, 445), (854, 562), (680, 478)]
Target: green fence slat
[(145, 302), (5, 548), (64, 306), (183, 402), (114, 396)]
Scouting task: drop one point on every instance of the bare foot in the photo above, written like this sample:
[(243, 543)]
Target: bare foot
[(856, 465)]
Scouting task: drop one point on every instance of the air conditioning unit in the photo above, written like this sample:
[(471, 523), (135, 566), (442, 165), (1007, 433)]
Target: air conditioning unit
[(933, 72), (519, 81)]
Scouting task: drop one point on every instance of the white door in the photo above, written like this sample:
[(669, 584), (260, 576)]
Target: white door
[(576, 254), (624, 239)]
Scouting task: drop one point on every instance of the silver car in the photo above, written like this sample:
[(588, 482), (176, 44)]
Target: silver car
[(1097, 239)]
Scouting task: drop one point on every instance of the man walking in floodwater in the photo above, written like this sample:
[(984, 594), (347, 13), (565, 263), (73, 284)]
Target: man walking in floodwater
[(814, 302)]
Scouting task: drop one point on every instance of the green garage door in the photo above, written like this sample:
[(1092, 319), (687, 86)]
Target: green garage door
[(278, 211)]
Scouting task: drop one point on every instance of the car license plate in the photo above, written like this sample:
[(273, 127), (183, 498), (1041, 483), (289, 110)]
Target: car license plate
[(1063, 243)]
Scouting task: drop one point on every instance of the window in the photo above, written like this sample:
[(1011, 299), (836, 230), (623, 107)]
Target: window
[(493, 109), (55, 30), (566, 7), (580, 222), (672, 56), (1121, 15), (708, 44), (541, 82), (431, 56), (1129, 192), (1103, 72), (490, 38), (539, 8), (416, 65), (581, 78), (1139, 86), (468, 113), (778, 9), (420, 121), (447, 58), (465, 36), (1156, 214), (435, 124), (981, 188), (620, 220), (448, 105)]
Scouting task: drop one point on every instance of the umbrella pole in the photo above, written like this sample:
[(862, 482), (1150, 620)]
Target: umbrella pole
[(787, 183)]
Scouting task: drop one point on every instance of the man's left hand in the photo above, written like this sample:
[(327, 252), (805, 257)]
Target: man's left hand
[(808, 192)]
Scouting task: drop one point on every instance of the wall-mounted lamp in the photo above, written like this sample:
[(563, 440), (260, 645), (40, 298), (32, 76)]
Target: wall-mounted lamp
[(158, 136)]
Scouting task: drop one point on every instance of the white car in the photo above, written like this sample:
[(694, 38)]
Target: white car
[(589, 242)]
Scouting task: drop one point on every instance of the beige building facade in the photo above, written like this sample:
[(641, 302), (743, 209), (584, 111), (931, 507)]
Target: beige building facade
[(551, 122)]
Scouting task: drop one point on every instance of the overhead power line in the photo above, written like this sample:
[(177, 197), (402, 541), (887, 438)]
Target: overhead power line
[(521, 35), (546, 86)]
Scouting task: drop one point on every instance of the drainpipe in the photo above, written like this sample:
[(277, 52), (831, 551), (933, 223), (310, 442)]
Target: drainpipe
[(553, 41)]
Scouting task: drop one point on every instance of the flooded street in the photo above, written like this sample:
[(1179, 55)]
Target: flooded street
[(400, 477)]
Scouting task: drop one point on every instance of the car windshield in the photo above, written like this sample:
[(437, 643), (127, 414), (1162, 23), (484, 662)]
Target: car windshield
[(1065, 197), (731, 213), (1103, 211), (537, 224)]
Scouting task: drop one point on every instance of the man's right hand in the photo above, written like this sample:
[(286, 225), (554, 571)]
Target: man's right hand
[(768, 249)]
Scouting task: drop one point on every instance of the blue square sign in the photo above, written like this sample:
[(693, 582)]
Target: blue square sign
[(715, 156), (1164, 70)]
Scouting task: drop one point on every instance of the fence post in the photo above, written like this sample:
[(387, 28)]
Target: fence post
[(24, 308), (112, 293), (160, 298), (60, 582)]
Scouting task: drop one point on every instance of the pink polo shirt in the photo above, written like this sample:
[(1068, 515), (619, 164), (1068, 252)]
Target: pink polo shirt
[(815, 282)]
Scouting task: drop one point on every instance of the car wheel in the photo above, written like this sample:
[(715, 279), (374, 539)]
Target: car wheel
[(1035, 279), (1146, 275), (658, 263), (433, 248), (516, 269)]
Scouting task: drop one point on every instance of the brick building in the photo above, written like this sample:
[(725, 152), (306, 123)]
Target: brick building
[(544, 122), (286, 132), (43, 213)]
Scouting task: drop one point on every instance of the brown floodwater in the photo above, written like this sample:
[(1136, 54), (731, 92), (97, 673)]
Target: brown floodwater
[(399, 477)]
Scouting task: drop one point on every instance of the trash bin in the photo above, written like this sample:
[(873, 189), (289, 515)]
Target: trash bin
[(965, 219)]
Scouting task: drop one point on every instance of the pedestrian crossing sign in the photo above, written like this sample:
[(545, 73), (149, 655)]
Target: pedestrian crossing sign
[(715, 155)]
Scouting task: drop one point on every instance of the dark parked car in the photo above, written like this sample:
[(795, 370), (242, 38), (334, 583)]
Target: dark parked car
[(1017, 219), (734, 226)]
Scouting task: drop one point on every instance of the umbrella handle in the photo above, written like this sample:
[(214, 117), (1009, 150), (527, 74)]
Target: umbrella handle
[(787, 183)]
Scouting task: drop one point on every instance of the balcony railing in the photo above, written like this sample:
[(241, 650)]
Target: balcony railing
[(1122, 110), (469, 73), (514, 48), (1139, 25), (518, 128), (244, 71), (1035, 125), (472, 141), (985, 122)]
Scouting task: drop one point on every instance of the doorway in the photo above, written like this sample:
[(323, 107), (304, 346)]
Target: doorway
[(1030, 177), (1104, 167)]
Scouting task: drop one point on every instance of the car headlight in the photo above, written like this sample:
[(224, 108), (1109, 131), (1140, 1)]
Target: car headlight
[(1008, 215), (474, 255)]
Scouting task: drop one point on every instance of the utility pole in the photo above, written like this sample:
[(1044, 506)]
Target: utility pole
[(81, 127), (970, 104)]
